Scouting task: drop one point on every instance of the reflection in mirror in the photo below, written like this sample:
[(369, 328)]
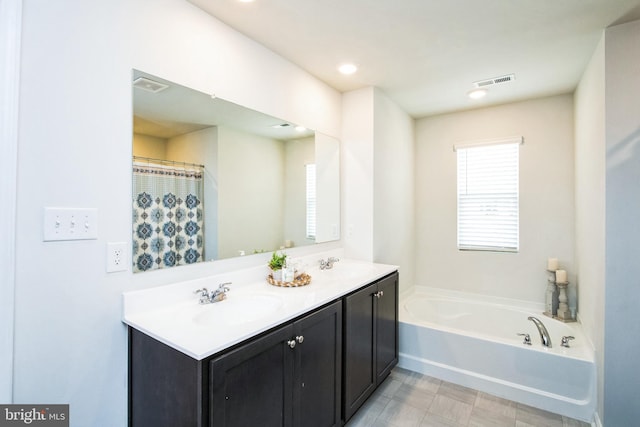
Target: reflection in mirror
[(216, 180)]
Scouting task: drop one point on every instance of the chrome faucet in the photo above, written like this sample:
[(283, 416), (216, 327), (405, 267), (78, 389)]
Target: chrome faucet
[(328, 264), (544, 334), (217, 295), (565, 341)]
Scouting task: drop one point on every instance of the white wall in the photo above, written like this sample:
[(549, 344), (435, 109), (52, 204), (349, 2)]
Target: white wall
[(589, 106), (357, 172), (10, 30), (622, 291), (75, 150), (149, 146), (393, 184), (201, 147), (546, 199), (327, 159), (250, 193), (298, 153)]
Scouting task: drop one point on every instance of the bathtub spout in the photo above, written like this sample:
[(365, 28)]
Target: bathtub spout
[(544, 334)]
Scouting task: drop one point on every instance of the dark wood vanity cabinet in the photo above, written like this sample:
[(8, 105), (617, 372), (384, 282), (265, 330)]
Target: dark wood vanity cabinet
[(252, 385), (303, 373), (370, 340), (290, 377)]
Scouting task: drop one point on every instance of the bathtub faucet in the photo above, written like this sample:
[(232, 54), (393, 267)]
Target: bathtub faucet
[(544, 334)]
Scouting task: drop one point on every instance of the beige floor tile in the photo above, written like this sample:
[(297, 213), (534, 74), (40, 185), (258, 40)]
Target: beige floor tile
[(424, 382), (389, 387), (570, 422), (408, 399), (537, 417), (402, 415), (458, 392), (496, 404), (486, 418), (451, 409), (433, 420), (400, 374), (414, 396), (368, 412)]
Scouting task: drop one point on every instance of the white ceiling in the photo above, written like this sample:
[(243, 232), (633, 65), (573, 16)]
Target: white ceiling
[(425, 54)]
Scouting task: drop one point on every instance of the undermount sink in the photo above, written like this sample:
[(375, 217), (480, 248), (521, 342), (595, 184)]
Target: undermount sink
[(238, 310)]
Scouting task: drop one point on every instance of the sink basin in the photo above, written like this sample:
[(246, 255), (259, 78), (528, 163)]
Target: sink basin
[(238, 310)]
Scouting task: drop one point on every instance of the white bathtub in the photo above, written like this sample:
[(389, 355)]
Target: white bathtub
[(472, 341)]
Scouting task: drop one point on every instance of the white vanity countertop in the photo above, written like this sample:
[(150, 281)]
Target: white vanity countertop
[(171, 314)]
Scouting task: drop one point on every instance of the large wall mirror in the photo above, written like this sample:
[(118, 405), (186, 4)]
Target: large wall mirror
[(214, 180)]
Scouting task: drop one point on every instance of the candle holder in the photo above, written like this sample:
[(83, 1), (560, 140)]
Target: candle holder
[(564, 314), (551, 297)]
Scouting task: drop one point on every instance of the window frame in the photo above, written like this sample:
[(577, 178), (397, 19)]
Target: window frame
[(503, 200), (311, 201)]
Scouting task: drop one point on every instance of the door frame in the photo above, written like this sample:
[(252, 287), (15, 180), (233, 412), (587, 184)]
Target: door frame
[(10, 43)]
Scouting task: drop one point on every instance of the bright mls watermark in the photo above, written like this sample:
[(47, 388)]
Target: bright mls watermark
[(34, 415)]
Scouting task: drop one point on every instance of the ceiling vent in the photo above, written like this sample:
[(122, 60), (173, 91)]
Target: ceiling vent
[(149, 85), (494, 81)]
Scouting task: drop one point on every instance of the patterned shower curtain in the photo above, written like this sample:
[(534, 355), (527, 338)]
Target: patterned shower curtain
[(167, 215)]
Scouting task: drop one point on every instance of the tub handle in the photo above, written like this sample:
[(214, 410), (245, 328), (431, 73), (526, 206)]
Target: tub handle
[(565, 341), (527, 338)]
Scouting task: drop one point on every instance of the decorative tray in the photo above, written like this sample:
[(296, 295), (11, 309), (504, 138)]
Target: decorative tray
[(302, 279)]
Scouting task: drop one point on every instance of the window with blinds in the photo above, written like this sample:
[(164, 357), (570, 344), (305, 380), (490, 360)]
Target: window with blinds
[(311, 200), (488, 211)]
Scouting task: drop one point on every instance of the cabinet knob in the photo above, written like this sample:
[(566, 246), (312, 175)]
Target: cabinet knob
[(291, 343), (378, 294), (300, 339)]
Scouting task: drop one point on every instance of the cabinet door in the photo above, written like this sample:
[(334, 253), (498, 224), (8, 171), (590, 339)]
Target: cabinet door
[(386, 327), (359, 349), (251, 385), (317, 372), (164, 385)]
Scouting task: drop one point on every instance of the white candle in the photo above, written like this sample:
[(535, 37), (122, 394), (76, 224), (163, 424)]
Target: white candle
[(552, 264), (561, 276)]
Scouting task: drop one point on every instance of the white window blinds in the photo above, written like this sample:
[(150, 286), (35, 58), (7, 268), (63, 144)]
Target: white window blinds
[(311, 200), (488, 196)]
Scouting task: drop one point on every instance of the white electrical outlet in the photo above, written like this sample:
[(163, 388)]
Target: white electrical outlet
[(117, 257), (70, 224)]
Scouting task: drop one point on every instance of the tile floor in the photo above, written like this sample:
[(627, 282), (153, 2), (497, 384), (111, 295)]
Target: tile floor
[(410, 399)]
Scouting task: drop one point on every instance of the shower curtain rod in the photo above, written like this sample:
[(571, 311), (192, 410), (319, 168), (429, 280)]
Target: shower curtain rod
[(170, 162)]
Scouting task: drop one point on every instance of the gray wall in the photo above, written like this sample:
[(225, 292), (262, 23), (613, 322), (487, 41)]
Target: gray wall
[(622, 291)]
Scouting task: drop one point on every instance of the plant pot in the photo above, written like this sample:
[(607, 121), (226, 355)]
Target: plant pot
[(277, 275)]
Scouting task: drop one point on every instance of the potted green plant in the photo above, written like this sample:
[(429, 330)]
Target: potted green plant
[(276, 264)]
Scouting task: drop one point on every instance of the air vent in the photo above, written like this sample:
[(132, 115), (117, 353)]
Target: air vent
[(494, 81), (149, 85)]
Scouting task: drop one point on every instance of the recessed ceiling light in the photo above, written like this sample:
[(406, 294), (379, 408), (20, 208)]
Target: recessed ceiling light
[(477, 93), (347, 69), (245, 1)]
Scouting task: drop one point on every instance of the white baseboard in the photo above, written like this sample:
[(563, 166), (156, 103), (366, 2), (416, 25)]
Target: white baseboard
[(596, 421)]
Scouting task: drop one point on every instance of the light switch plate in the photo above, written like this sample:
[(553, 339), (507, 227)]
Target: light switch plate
[(70, 224)]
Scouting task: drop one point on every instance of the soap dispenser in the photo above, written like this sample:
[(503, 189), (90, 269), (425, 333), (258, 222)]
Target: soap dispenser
[(287, 271)]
